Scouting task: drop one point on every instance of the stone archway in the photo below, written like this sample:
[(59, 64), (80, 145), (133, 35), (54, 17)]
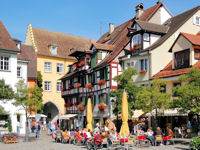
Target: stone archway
[(51, 110)]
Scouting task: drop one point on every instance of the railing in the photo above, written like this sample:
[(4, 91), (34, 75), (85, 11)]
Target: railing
[(73, 112)]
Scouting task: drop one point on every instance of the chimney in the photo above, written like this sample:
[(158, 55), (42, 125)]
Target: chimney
[(111, 27), (139, 10)]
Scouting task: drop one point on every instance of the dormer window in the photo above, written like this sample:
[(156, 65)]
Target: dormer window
[(53, 49), (182, 59)]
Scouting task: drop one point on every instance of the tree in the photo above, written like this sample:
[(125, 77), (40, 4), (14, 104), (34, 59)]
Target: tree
[(152, 97), (125, 82), (39, 79), (188, 95)]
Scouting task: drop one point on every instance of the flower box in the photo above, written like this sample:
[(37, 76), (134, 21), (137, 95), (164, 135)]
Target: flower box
[(136, 46), (75, 103), (10, 138), (63, 89), (101, 82), (89, 86), (81, 107), (70, 87), (78, 85), (81, 64), (68, 104), (142, 72), (102, 106)]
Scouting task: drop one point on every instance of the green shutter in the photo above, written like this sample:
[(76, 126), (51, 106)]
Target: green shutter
[(106, 73), (99, 98), (93, 78), (99, 55), (94, 60), (94, 100), (107, 98), (86, 100)]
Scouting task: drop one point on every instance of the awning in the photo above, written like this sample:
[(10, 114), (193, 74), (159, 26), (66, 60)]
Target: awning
[(137, 113), (41, 115), (67, 116), (167, 112)]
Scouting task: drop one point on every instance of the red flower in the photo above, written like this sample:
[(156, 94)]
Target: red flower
[(102, 106), (78, 85), (68, 104), (101, 82), (63, 89), (81, 107), (80, 63), (70, 87), (89, 86), (143, 72), (75, 103)]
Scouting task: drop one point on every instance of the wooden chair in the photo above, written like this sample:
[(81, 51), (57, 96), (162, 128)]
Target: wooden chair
[(143, 140), (105, 141), (158, 138)]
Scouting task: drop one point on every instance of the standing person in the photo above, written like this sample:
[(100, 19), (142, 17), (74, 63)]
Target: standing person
[(44, 123), (32, 126), (49, 128), (38, 130), (188, 128), (53, 128), (18, 128), (97, 128)]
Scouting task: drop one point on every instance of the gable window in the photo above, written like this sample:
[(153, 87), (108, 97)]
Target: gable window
[(182, 59), (197, 20), (4, 63), (99, 55), (58, 86), (146, 37), (143, 64), (53, 49), (47, 67), (19, 71), (59, 68), (136, 40), (47, 85), (197, 54)]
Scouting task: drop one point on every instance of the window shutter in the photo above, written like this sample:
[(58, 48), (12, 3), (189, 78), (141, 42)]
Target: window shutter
[(106, 73), (194, 19), (99, 98), (107, 98), (94, 100), (99, 55), (86, 100)]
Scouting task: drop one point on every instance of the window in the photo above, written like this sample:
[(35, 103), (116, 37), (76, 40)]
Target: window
[(197, 20), (182, 59), (143, 64), (54, 50), (19, 71), (59, 68), (174, 94), (47, 67), (127, 65), (4, 63), (132, 63), (99, 55), (58, 86), (136, 39), (47, 85), (146, 37), (197, 54)]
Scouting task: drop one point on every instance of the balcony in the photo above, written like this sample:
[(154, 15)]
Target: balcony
[(73, 112)]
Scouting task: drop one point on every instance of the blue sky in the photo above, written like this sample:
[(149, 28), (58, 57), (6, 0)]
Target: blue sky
[(86, 18)]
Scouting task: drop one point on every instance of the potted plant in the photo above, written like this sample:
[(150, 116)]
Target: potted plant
[(102, 106), (142, 72), (81, 63), (63, 89), (81, 107), (136, 46), (89, 86), (195, 143), (78, 85), (68, 104), (70, 87), (101, 82), (75, 103)]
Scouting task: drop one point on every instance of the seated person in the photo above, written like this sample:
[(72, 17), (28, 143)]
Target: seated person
[(150, 136), (113, 135), (78, 135), (158, 131), (65, 135), (169, 135)]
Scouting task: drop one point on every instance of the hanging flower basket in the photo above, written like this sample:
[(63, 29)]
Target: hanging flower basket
[(68, 104), (143, 72), (81, 107), (63, 89), (78, 85), (81, 63), (136, 46), (102, 106), (70, 87), (75, 103), (89, 86), (101, 82)]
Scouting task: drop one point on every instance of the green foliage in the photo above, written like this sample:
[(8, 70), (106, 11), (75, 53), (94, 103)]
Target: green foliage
[(39, 79), (5, 92), (9, 124), (195, 143), (189, 93), (150, 98), (125, 82)]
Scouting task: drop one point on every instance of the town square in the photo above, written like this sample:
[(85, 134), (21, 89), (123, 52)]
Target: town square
[(100, 75)]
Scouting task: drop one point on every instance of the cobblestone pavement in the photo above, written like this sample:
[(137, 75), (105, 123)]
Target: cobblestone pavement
[(46, 143)]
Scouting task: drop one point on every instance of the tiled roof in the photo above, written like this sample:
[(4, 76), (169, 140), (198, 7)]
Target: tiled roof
[(6, 42), (169, 72), (152, 27), (43, 39), (103, 46), (174, 23), (194, 39), (28, 53), (148, 13)]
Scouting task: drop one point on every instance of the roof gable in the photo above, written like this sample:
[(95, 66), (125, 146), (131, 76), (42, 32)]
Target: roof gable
[(6, 42)]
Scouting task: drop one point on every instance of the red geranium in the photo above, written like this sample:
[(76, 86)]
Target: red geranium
[(81, 107), (68, 104), (89, 86), (63, 89), (81, 63), (142, 72), (78, 85), (75, 103), (101, 82), (70, 87), (102, 106)]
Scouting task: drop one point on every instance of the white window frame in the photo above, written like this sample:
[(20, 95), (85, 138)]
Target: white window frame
[(196, 20), (146, 37), (47, 86), (20, 71), (54, 50), (58, 86), (145, 67), (3, 65), (60, 65), (47, 67)]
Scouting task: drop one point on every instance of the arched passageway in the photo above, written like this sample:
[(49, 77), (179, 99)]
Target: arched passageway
[(51, 111)]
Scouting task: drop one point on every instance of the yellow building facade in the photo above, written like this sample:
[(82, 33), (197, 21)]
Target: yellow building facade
[(52, 50)]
